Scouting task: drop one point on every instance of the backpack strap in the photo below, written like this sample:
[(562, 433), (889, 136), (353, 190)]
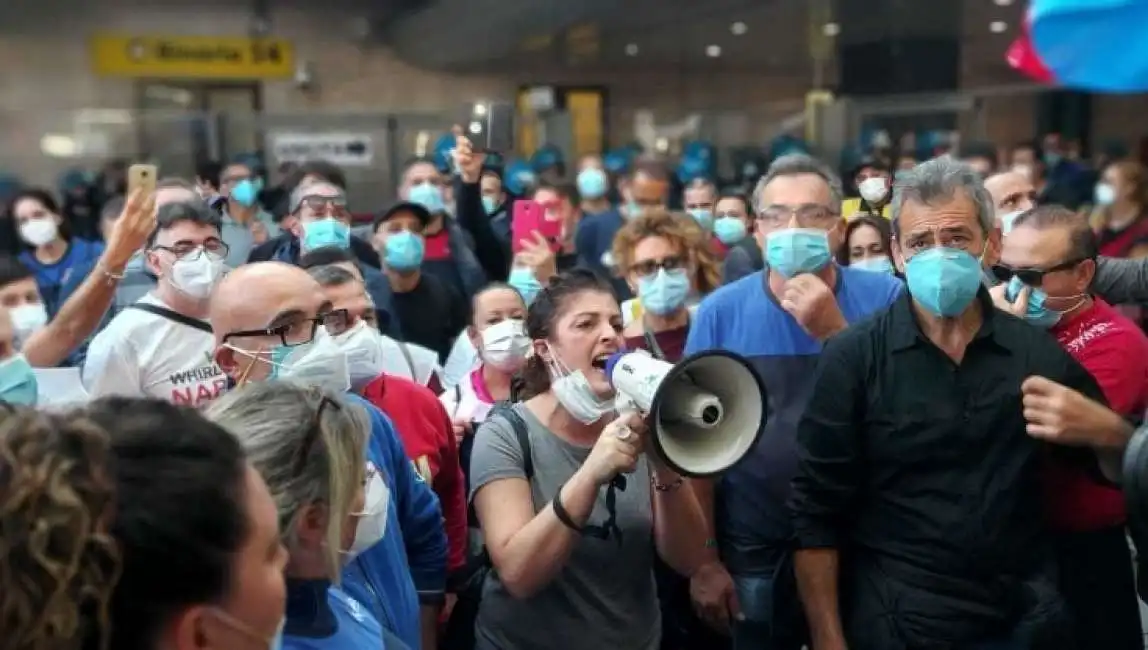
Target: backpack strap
[(174, 316), (507, 412)]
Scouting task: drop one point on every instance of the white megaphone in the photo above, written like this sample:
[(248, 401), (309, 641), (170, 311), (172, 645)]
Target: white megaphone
[(705, 413)]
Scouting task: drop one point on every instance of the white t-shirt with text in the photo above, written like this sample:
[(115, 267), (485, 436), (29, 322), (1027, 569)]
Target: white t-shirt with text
[(141, 354)]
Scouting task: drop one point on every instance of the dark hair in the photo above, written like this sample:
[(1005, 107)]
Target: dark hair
[(193, 211), (548, 306), (113, 208), (180, 512), (740, 196), (13, 270), (170, 182), (325, 256), (326, 170), (650, 168), (1032, 145), (564, 191), (487, 288), (44, 198), (61, 562), (1082, 244), (980, 150), (210, 171), (884, 232), (330, 275)]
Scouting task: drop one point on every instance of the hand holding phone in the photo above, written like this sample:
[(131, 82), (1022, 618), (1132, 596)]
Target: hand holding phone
[(142, 177), (529, 221)]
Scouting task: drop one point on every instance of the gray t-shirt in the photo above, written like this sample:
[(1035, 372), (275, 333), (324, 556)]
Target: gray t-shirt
[(604, 597)]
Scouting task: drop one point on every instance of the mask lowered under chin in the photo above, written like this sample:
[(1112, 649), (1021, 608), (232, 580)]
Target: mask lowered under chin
[(574, 393)]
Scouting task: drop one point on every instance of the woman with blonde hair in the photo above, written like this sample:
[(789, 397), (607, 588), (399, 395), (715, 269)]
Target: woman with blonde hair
[(667, 261), (310, 447)]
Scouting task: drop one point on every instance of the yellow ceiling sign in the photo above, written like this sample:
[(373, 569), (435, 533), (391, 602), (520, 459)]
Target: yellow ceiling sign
[(191, 57)]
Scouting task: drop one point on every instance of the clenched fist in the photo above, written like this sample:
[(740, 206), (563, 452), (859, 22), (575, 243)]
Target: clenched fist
[(809, 300)]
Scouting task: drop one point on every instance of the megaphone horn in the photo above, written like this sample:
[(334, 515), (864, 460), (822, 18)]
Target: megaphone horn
[(705, 413)]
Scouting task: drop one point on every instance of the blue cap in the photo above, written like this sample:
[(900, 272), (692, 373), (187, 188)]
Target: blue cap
[(74, 179), (518, 177), (691, 168), (701, 149), (783, 145), (617, 161), (547, 157)]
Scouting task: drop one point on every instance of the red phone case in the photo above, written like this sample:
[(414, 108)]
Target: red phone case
[(530, 217)]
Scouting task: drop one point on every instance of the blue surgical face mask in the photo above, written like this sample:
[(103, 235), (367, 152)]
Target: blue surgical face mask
[(664, 292), (592, 183), (246, 192), (729, 230), (876, 264), (793, 251), (17, 381), (1008, 219), (403, 251), (1037, 313), (633, 210), (490, 205), (1104, 194), (326, 232), (1052, 159), (705, 218), (943, 280), (523, 280), (429, 196)]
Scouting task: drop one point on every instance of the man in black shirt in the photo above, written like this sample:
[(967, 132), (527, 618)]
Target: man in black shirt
[(918, 509), (430, 311)]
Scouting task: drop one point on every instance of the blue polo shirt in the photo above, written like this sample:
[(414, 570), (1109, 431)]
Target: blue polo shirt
[(744, 317)]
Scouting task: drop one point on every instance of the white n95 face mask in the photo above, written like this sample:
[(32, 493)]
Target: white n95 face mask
[(321, 363), (505, 344), (196, 278), (364, 352), (873, 190), (574, 393), (26, 319), (373, 519)]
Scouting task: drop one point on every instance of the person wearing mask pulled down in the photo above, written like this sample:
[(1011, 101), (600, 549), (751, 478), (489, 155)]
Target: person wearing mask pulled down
[(269, 321), (309, 446), (917, 505), (18, 384), (572, 546)]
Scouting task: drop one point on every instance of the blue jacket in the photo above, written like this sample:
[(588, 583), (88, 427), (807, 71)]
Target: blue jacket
[(408, 566), (320, 616)]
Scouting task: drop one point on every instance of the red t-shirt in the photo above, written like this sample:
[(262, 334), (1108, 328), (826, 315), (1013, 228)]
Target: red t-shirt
[(718, 248), (425, 429), (671, 344), (1115, 352), (437, 246)]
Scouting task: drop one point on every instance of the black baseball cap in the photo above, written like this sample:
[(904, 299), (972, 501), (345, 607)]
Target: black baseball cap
[(417, 209)]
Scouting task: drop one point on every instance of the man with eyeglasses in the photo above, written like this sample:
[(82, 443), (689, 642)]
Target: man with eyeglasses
[(917, 507), (1047, 265), (272, 320), (161, 345), (778, 318)]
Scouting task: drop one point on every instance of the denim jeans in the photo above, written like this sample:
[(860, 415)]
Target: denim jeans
[(759, 630)]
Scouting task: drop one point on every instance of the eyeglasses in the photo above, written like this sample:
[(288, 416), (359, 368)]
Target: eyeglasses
[(312, 436), (185, 250), (1031, 277), (650, 267), (807, 214), (299, 331), (317, 202), (339, 321)]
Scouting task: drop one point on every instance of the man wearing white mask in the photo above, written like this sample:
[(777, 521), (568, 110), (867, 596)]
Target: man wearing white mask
[(1012, 194), (21, 297), (874, 184), (271, 321), (161, 346)]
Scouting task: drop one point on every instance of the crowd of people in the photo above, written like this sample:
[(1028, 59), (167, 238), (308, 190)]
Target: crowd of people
[(300, 430)]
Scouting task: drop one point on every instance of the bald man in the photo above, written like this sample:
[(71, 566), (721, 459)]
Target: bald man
[(1118, 281), (402, 578)]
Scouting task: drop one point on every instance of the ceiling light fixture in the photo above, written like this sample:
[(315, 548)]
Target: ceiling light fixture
[(831, 29), (998, 26), (738, 29), (1002, 3), (632, 49), (713, 51)]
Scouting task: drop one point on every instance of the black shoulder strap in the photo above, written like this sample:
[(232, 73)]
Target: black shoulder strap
[(523, 434), (164, 312)]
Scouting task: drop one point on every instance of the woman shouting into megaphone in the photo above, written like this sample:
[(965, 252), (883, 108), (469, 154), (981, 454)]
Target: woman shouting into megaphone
[(571, 507)]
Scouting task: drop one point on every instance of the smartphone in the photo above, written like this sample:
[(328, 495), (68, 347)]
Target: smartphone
[(142, 177), (528, 218), (490, 127)]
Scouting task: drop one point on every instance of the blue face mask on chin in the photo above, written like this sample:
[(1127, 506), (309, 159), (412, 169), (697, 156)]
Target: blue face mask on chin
[(793, 251), (943, 280), (523, 281), (662, 293), (18, 381), (729, 230), (592, 183), (429, 196), (404, 251), (246, 192), (326, 232), (705, 218)]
